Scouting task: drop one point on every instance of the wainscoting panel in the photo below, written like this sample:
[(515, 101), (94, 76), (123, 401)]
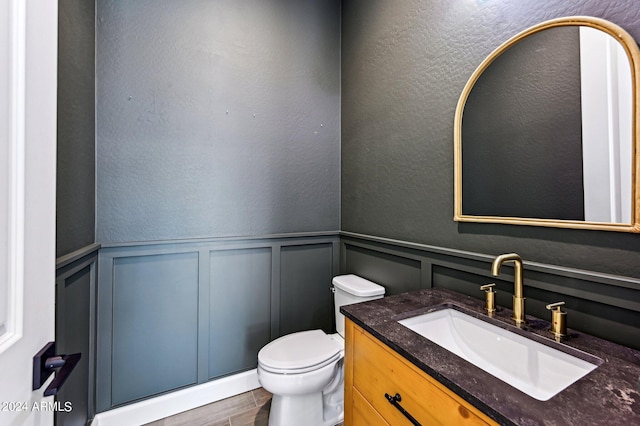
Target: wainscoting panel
[(180, 313), (306, 302), (397, 273), (76, 277), (239, 308), (155, 324), (602, 305)]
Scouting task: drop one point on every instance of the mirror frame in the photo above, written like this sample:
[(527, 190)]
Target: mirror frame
[(633, 53)]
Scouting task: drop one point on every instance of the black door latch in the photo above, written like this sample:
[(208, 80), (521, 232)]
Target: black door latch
[(46, 362)]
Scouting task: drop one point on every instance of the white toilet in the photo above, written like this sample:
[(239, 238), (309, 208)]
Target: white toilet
[(304, 370)]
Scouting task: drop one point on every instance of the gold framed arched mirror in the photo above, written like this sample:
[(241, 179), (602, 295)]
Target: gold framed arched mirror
[(546, 130)]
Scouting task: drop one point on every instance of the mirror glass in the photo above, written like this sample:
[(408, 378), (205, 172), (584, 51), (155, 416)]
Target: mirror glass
[(546, 133)]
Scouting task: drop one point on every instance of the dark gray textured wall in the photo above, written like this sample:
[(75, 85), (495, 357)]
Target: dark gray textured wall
[(404, 65), (217, 118), (75, 209)]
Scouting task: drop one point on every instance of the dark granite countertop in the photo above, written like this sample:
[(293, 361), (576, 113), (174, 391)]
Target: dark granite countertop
[(608, 395)]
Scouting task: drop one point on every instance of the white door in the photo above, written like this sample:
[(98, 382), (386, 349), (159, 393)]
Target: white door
[(28, 74)]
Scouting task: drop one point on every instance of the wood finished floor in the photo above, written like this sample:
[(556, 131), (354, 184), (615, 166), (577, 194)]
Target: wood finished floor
[(247, 409)]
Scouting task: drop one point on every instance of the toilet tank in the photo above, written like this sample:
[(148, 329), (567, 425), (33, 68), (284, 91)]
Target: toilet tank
[(348, 289)]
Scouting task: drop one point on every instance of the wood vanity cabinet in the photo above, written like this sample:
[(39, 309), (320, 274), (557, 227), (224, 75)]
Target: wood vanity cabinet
[(372, 370)]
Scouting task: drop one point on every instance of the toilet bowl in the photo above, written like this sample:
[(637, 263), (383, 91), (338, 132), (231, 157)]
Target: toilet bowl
[(304, 370)]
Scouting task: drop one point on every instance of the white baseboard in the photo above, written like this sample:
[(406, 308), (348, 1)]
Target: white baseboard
[(178, 401)]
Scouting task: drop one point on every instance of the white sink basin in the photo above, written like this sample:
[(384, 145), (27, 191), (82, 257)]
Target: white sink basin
[(536, 369)]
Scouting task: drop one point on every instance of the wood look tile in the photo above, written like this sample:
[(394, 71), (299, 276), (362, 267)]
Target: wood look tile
[(214, 414), (258, 416), (247, 409), (261, 396)]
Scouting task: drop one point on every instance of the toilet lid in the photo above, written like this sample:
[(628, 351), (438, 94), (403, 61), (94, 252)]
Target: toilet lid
[(298, 351)]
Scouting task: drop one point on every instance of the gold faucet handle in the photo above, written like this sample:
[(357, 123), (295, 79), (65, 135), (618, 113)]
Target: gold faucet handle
[(490, 301), (555, 305), (558, 320), (488, 287)]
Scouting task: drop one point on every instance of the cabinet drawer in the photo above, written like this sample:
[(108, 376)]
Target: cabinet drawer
[(378, 370), (364, 413)]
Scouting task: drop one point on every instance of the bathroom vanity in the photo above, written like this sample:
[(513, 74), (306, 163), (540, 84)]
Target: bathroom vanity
[(384, 359), (380, 369)]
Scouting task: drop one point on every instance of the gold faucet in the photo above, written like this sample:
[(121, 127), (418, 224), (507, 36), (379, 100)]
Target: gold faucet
[(518, 299)]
